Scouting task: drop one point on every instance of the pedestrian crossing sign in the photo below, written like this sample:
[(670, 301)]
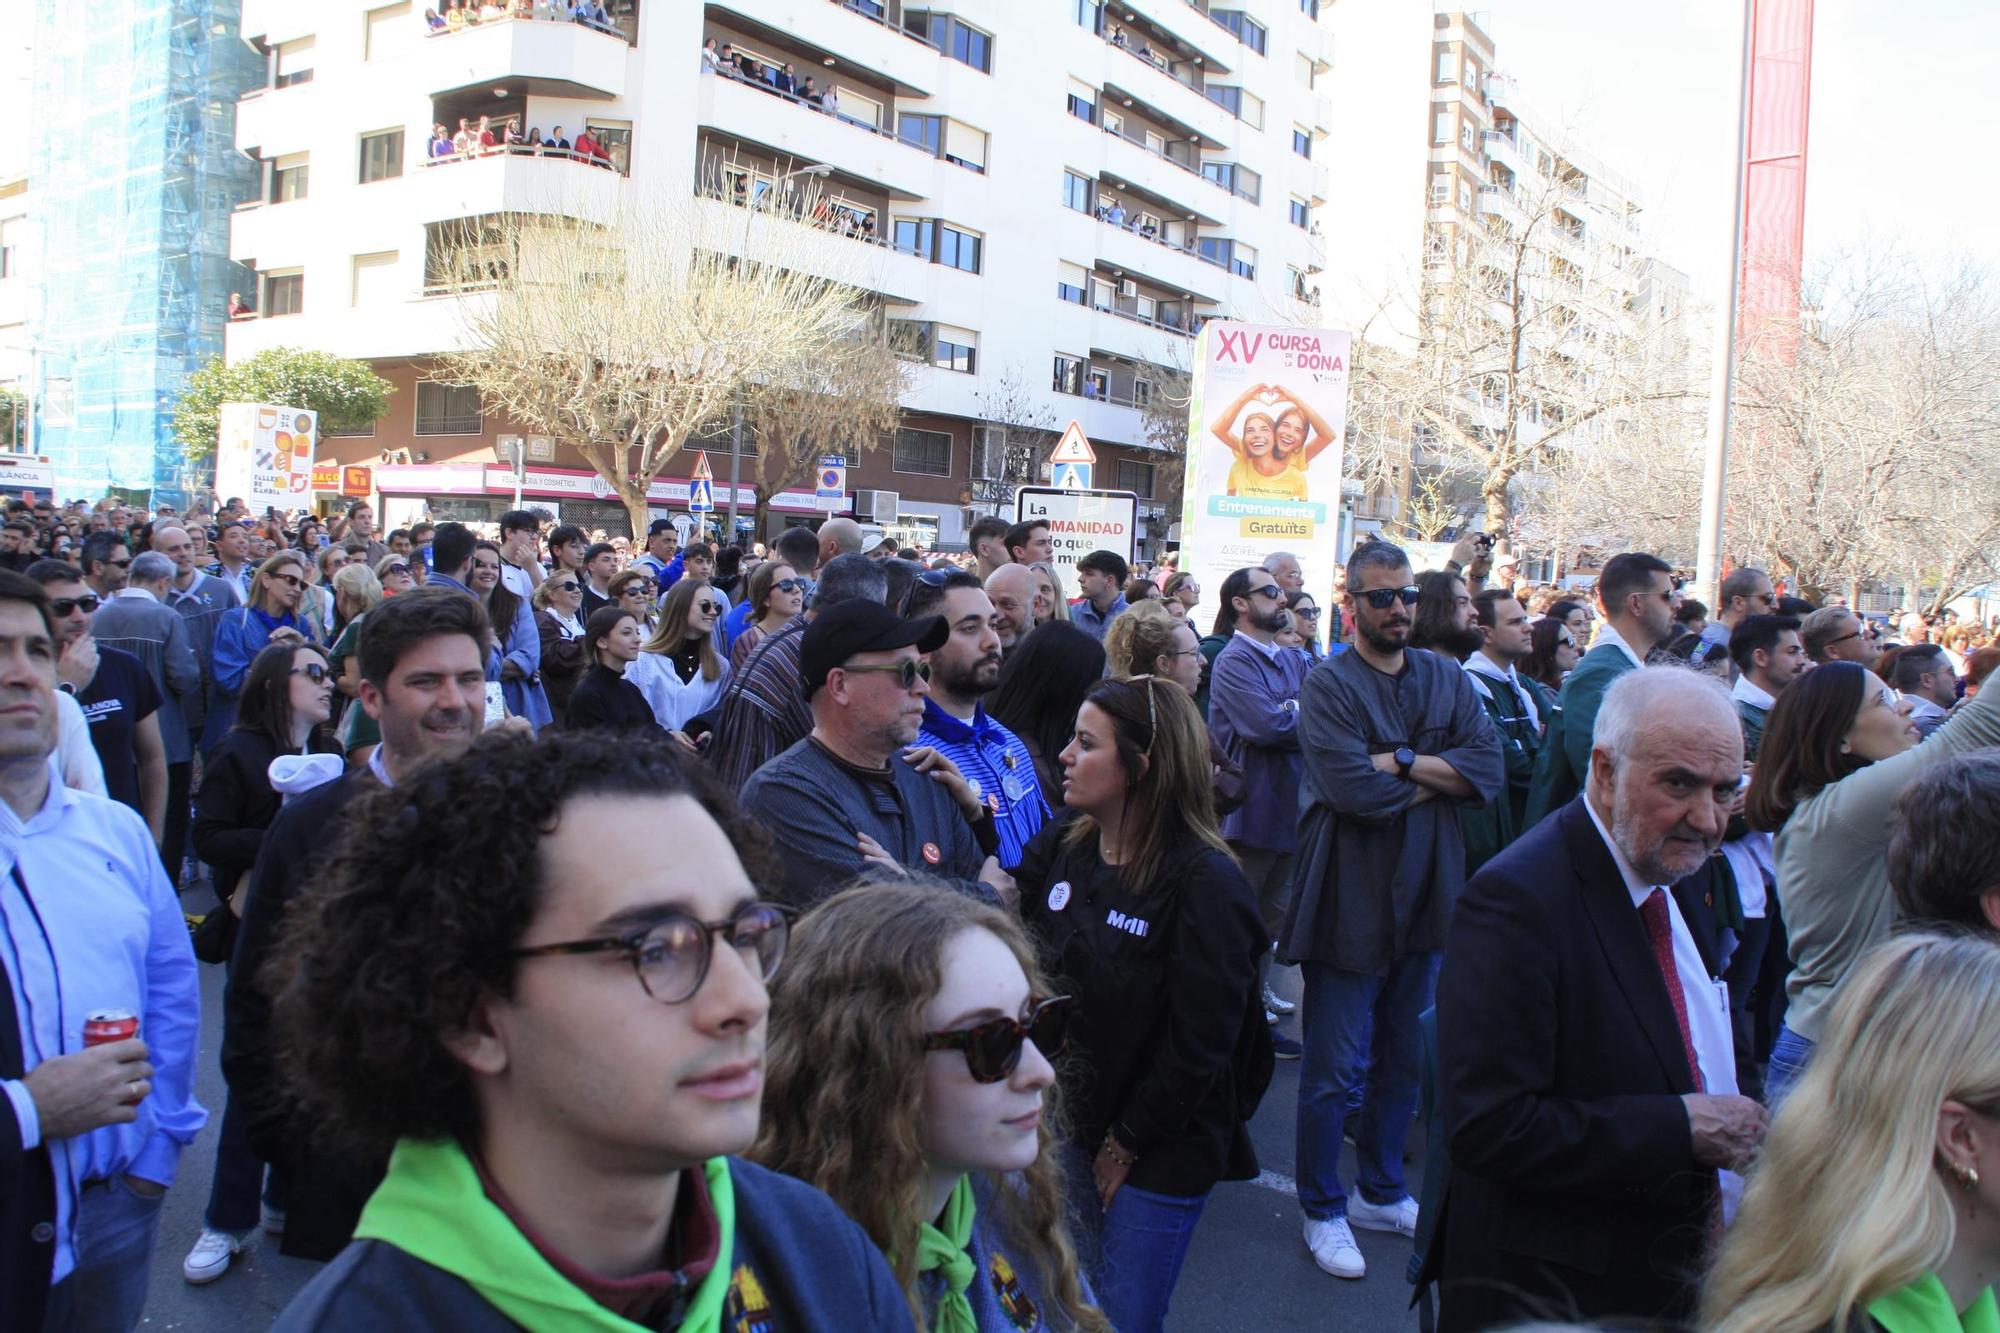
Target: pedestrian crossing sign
[(701, 496), (1072, 476)]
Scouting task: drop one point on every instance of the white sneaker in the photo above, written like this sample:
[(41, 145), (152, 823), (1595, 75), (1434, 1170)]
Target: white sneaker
[(1399, 1217), (209, 1259), (1333, 1248), (1276, 1004)]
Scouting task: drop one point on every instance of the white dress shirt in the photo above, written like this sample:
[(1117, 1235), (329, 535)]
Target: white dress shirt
[(1753, 856)]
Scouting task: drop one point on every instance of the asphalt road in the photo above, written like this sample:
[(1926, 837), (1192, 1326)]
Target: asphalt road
[(1248, 1272)]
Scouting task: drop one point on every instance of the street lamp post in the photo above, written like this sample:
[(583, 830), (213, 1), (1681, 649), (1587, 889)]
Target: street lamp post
[(736, 410)]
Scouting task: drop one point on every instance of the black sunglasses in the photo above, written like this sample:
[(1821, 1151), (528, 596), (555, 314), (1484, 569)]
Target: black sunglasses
[(929, 578), (993, 1048), (1382, 598), (1270, 590), (397, 569), (63, 606), (709, 608), (313, 671), (908, 671), (569, 586), (789, 585), (671, 956)]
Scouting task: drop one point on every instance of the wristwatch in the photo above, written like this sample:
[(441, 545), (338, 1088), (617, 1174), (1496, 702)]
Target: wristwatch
[(1406, 759)]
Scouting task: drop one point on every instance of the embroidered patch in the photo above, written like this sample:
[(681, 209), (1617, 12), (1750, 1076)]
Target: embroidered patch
[(745, 1309), (1059, 895), (931, 854), (1007, 1288)]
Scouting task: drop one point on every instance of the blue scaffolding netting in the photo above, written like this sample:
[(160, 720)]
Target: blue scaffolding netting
[(137, 173)]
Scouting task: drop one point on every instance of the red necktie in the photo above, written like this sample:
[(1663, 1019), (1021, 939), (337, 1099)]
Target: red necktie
[(1660, 930)]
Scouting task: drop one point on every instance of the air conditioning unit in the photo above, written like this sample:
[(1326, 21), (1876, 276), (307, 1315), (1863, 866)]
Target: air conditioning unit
[(876, 506), (989, 453), (1128, 289)]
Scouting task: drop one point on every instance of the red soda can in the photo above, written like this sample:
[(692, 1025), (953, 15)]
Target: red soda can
[(107, 1025)]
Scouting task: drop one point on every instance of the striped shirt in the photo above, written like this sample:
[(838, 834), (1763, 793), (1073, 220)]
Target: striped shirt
[(1000, 767)]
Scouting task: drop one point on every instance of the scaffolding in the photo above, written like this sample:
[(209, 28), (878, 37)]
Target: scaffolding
[(138, 172)]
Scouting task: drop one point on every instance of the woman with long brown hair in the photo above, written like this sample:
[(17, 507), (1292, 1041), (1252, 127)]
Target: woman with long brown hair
[(908, 1077), (1143, 915), (678, 668)]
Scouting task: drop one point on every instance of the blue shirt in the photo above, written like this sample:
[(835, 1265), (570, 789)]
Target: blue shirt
[(999, 763), (732, 626), (88, 921), (1086, 618)]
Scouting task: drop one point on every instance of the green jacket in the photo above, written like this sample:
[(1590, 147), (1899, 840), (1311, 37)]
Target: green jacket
[(1489, 829), (1565, 752)]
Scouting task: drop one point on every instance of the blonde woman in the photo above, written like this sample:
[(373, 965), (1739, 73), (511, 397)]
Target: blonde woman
[(1876, 1201), (356, 592), (273, 614), (1051, 598), (678, 669)]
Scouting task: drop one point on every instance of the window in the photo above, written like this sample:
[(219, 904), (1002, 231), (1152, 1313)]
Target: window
[(1440, 190), (1304, 70), (1071, 280), (1235, 256), (1076, 192), (1097, 384), (1228, 98), (910, 339), (1142, 393), (374, 279), (1089, 15), (447, 409), (292, 63), (1301, 214), (284, 293), (958, 249), (616, 136), (1447, 65), (1465, 195), (952, 36), (964, 146), (288, 178), (955, 349), (915, 236), (1310, 8), (1248, 30), (390, 32), (1240, 181), (1441, 127), (1068, 374), (1082, 109), (1302, 142), (1134, 477), (925, 132), (381, 156), (10, 260), (927, 452)]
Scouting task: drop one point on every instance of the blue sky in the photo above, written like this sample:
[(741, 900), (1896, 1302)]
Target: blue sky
[(1896, 146)]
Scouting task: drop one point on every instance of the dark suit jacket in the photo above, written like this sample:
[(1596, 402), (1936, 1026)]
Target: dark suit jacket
[(27, 1194), (326, 1189), (1573, 1191)]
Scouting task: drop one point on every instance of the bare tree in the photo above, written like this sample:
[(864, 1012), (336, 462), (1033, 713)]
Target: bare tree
[(846, 402), (620, 336), (1019, 424)]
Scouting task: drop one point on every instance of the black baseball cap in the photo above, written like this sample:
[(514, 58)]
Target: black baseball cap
[(846, 629)]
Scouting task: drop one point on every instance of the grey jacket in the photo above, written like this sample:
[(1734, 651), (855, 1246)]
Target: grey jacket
[(162, 639), (202, 607)]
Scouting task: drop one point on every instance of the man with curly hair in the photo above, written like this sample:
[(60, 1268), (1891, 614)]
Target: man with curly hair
[(560, 1033), (423, 679)]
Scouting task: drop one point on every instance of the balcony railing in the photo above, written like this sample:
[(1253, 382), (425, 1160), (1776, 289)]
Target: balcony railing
[(448, 152), (518, 11), (817, 105), (1185, 327), (1191, 169), (1112, 217), (877, 12), (1145, 55), (834, 219)]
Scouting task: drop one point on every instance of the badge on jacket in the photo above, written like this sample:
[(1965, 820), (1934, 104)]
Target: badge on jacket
[(931, 854), (1059, 895)]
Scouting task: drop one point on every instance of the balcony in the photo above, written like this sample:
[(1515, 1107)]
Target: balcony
[(1500, 91), (1124, 250), (1496, 201), (787, 127), (829, 250), (1174, 92), (271, 235), (395, 329), (1501, 147), (539, 58), (1216, 46), (270, 121), (450, 188), (1178, 183), (851, 32)]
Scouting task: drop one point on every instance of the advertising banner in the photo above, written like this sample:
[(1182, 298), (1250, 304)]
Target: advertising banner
[(1265, 425), (1080, 522), (264, 453)]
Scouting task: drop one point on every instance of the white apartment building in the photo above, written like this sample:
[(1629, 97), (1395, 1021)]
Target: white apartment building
[(1058, 193)]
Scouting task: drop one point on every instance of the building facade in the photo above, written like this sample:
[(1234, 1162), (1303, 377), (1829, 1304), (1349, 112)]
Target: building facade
[(135, 173), (1056, 194)]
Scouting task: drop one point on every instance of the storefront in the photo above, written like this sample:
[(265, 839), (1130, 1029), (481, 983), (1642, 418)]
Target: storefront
[(479, 493)]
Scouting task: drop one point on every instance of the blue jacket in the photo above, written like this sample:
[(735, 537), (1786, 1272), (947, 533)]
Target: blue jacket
[(1253, 718), (1001, 763), (240, 635), (1006, 1294)]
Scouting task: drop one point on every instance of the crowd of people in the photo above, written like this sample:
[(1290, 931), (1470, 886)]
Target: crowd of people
[(486, 137), (459, 15), (832, 937)]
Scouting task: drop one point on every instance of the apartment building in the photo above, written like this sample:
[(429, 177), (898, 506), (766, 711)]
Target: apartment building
[(1056, 195)]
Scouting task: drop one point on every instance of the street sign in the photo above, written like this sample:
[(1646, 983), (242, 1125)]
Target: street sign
[(701, 486), (1080, 521), (1073, 476), (830, 492), (701, 471), (1074, 447)]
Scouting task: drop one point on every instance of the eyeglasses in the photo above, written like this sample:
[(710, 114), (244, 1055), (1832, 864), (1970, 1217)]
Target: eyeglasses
[(1306, 612), (993, 1048), (397, 569), (789, 585), (570, 585), (709, 608), (64, 606), (313, 671), (1382, 598), (1271, 590), (1565, 642), (293, 579), (929, 578), (1843, 638), (119, 564), (908, 671), (671, 956)]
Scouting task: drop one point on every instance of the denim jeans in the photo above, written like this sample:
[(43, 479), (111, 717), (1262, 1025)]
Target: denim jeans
[(1789, 1054), (1338, 1010), (240, 1178), (106, 1291), (1143, 1237)]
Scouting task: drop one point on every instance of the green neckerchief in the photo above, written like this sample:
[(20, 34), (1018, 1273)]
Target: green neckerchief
[(432, 1207), (1925, 1307), (943, 1251)]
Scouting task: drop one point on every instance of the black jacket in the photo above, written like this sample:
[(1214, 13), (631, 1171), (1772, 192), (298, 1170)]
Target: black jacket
[(562, 662), (799, 1266), (27, 1194), (604, 700), (1573, 1192), (327, 1189), (236, 804), (1169, 1047)]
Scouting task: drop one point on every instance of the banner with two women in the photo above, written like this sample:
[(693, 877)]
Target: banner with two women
[(1265, 425)]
